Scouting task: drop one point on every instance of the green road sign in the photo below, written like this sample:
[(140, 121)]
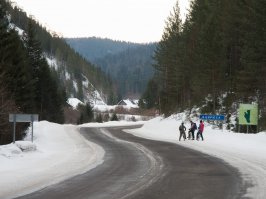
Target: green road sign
[(248, 114)]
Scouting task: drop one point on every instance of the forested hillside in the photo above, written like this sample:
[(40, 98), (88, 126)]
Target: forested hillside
[(130, 69), (128, 64), (38, 71), (219, 53), (93, 48), (26, 84), (72, 68)]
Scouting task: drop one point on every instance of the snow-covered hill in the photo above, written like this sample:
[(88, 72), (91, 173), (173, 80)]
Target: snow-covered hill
[(75, 85), (90, 93)]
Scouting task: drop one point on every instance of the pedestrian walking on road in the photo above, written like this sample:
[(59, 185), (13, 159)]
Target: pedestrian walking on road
[(192, 129), (182, 130), (200, 131)]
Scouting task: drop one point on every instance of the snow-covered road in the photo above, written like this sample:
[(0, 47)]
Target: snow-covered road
[(61, 152), (246, 152), (61, 149)]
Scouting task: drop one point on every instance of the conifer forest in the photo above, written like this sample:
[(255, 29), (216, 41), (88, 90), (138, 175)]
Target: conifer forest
[(216, 59)]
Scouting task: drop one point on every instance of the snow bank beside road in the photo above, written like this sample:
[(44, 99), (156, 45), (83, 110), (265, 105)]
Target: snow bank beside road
[(113, 124), (58, 152), (247, 152)]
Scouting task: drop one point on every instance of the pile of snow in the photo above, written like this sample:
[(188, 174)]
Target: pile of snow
[(26, 146), (113, 124), (104, 108), (247, 152), (57, 153), (74, 102)]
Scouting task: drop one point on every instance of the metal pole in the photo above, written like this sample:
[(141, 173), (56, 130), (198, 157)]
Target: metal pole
[(14, 128), (31, 128), (247, 128)]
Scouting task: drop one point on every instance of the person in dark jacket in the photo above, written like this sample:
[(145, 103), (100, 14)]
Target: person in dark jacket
[(192, 129), (200, 131), (182, 130)]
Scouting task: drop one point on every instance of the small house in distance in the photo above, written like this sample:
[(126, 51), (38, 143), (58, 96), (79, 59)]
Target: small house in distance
[(129, 103)]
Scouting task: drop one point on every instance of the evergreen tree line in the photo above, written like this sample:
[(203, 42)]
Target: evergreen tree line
[(26, 85), (87, 115), (218, 51), (93, 48)]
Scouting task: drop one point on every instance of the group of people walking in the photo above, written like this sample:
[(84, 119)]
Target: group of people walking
[(191, 131)]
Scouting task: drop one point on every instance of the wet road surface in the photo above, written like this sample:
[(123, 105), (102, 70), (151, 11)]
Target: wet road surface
[(136, 168)]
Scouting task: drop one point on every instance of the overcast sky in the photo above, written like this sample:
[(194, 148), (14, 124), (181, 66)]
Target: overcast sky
[(127, 20)]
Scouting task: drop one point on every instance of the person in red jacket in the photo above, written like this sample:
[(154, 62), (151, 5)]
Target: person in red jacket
[(200, 131)]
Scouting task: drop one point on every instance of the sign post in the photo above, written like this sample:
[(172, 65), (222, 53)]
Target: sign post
[(22, 118), (248, 114), (213, 117), (14, 127)]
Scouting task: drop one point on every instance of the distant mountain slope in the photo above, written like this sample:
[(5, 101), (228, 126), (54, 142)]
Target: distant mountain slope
[(128, 64), (94, 48), (130, 69)]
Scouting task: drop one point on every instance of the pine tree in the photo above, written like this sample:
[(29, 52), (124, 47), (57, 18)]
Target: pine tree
[(168, 64), (114, 117), (150, 97), (47, 93), (15, 83), (86, 113)]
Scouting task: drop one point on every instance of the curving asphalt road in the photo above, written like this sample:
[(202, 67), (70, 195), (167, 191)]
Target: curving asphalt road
[(136, 168)]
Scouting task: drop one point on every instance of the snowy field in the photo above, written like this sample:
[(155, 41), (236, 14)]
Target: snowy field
[(60, 152)]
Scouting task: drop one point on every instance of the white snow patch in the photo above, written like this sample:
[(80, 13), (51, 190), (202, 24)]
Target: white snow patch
[(26, 146), (95, 98), (85, 83), (52, 62), (127, 103), (74, 102), (104, 108), (19, 30), (75, 84), (67, 75)]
